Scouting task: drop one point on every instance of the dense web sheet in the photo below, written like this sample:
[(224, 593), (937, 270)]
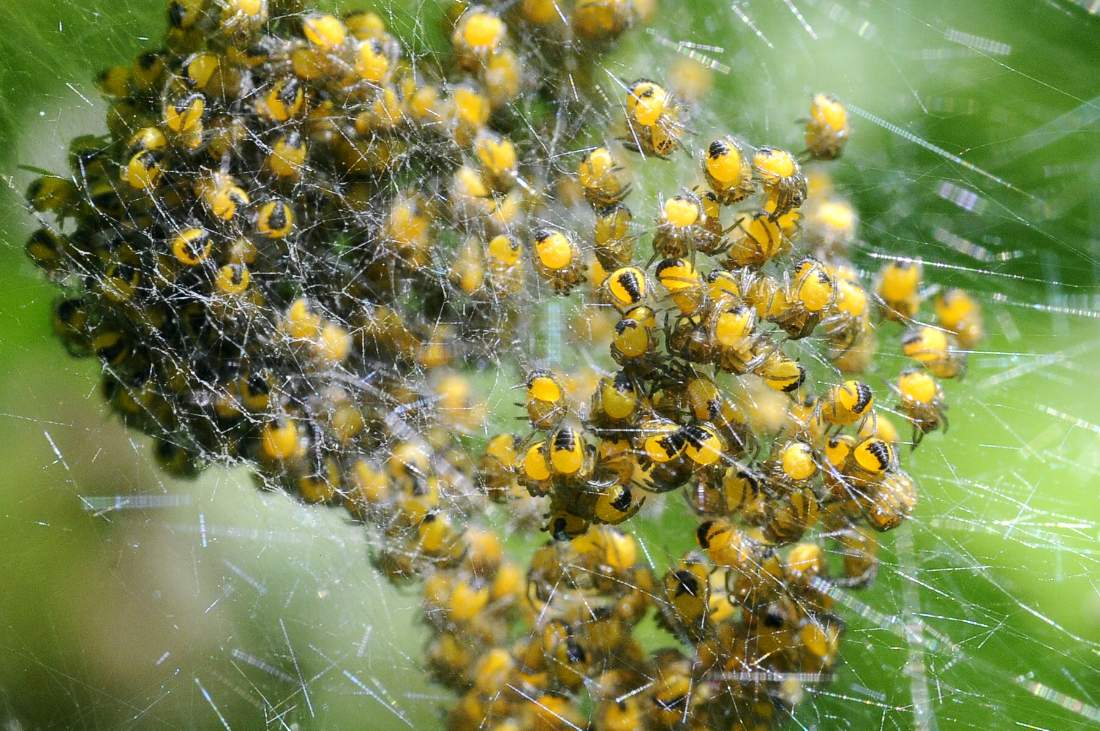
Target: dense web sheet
[(974, 149)]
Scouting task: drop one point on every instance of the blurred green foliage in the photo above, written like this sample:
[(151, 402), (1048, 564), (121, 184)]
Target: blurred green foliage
[(238, 601)]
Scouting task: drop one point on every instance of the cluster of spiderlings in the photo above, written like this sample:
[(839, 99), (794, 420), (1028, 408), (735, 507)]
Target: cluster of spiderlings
[(295, 236)]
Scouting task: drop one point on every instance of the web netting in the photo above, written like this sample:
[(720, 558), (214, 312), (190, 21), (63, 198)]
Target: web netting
[(328, 327)]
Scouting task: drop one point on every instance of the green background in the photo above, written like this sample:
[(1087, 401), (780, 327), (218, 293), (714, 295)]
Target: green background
[(250, 606)]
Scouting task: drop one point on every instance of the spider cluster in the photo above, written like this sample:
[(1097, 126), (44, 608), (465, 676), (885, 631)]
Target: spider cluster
[(297, 240)]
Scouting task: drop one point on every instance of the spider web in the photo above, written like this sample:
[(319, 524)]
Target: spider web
[(137, 600)]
